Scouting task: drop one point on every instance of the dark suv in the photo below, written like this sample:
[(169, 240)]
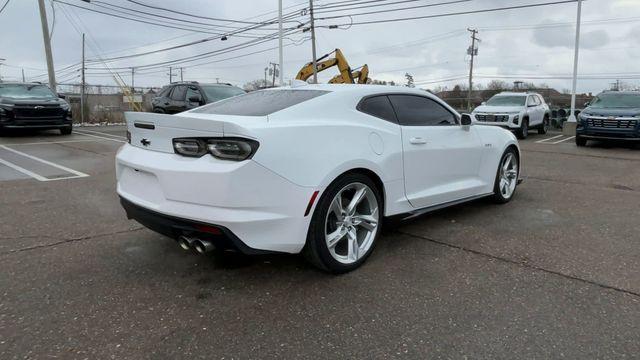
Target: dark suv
[(612, 115), (183, 96), (33, 106)]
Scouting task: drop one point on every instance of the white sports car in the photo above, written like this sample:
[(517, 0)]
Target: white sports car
[(308, 168)]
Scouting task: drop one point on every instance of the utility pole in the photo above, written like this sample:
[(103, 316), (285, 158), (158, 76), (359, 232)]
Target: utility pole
[(273, 73), (1, 60), (83, 85), (313, 44), (47, 45), (181, 75), (265, 76), (23, 78), (170, 75), (571, 128), (280, 52), (473, 51), (133, 80)]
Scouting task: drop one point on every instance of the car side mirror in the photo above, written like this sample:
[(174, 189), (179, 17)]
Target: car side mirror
[(195, 99), (61, 96), (587, 104), (466, 120), (484, 103)]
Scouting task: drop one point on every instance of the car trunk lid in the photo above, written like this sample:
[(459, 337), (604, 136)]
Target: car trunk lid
[(156, 131)]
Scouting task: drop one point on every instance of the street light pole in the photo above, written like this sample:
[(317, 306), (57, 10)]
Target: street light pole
[(47, 45), (571, 128), (83, 85)]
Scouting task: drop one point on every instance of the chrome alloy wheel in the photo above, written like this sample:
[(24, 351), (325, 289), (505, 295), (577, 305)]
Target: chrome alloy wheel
[(508, 175), (352, 223)]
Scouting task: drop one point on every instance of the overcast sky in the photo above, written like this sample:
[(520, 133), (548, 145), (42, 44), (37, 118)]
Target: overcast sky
[(523, 44)]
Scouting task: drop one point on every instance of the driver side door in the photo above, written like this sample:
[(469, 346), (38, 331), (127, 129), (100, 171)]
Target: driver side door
[(441, 158)]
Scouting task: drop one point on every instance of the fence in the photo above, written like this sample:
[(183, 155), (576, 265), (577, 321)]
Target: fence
[(104, 103)]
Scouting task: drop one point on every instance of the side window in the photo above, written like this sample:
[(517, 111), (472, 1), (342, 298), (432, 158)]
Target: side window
[(165, 92), (179, 93), (378, 106), (413, 110), (193, 91), (540, 99), (531, 101)]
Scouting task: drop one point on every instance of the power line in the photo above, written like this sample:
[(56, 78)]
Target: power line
[(443, 15), (4, 6), (390, 10), (197, 16)]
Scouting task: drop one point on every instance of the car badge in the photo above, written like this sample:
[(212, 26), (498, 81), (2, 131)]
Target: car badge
[(611, 118), (38, 107), (145, 142)]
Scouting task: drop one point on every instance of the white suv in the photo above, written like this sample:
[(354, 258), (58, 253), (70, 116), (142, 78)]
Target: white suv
[(515, 111)]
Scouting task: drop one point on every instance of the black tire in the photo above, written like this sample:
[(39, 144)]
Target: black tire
[(497, 194), (580, 141), (523, 132), (316, 250), (544, 128), (66, 130)]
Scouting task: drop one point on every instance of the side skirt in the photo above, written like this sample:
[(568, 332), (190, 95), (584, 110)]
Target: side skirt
[(419, 212)]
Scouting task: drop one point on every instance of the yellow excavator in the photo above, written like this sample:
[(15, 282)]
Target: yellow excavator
[(347, 76)]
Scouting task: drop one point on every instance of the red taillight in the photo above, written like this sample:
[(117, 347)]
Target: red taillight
[(311, 201), (209, 229)]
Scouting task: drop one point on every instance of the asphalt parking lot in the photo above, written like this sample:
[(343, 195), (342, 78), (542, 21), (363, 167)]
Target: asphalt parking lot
[(553, 274)]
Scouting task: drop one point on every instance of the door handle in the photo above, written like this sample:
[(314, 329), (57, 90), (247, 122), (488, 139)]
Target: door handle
[(417, 141)]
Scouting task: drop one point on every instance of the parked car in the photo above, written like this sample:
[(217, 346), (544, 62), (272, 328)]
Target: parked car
[(33, 106), (183, 96), (518, 112), (611, 115), (310, 168)]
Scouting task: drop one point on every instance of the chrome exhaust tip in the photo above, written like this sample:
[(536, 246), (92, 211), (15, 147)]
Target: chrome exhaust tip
[(186, 243), (203, 246)]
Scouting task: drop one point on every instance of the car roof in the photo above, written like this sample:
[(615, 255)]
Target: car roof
[(513, 93), (355, 89), (628, 92)]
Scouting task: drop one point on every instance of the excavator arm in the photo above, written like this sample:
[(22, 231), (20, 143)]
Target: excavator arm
[(360, 76), (339, 60)]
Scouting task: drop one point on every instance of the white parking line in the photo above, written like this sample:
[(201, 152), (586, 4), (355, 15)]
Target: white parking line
[(77, 174), (548, 139), (100, 137), (101, 133), (563, 140), (50, 142)]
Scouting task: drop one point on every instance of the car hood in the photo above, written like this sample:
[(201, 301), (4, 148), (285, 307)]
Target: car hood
[(630, 112), (30, 101), (497, 109)]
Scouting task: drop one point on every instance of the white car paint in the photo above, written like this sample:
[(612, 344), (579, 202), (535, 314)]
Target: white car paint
[(534, 109), (303, 148)]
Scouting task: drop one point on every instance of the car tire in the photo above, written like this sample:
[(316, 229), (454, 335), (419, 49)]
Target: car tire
[(544, 128), (159, 111), (353, 238), (507, 175), (66, 130), (580, 141), (523, 132)]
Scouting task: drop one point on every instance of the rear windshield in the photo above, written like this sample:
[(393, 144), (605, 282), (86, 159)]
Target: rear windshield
[(217, 93), (259, 103), (507, 100), (613, 100)]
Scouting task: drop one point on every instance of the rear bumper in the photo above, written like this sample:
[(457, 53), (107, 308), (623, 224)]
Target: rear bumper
[(173, 227), (262, 210)]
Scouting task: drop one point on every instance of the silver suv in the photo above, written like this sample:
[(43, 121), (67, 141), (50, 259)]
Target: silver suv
[(518, 112)]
